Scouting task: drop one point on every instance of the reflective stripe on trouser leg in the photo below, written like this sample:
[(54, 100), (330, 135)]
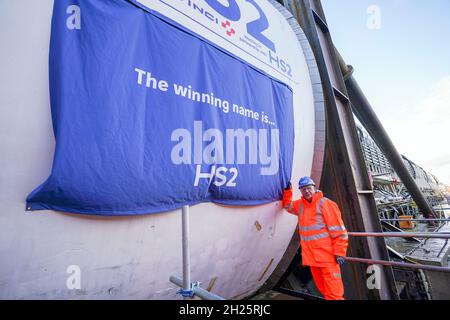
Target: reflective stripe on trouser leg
[(332, 280)]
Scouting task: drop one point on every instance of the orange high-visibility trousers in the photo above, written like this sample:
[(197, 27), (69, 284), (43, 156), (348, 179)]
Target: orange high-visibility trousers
[(329, 282)]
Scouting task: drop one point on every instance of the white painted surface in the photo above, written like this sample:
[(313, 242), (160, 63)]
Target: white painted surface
[(119, 257)]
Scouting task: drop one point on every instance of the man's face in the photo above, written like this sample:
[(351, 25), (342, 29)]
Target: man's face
[(308, 192)]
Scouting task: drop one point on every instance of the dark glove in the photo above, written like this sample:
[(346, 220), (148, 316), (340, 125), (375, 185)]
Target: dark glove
[(289, 186), (340, 260)]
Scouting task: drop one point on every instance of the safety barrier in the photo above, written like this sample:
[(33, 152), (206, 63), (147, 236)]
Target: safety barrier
[(439, 235), (436, 219)]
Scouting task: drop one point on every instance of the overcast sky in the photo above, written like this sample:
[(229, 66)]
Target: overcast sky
[(400, 50)]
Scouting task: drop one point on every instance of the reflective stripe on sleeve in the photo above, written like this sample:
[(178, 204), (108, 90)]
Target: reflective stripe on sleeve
[(344, 236), (336, 228)]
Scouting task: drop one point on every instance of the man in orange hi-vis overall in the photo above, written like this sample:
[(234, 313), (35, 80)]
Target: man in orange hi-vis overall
[(323, 237)]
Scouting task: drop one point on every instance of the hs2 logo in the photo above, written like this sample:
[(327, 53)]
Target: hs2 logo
[(232, 12)]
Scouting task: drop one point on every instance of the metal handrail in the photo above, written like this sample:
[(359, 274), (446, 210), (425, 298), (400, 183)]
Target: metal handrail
[(436, 219), (438, 235), (399, 264)]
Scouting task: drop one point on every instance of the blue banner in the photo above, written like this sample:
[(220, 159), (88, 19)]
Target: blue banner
[(149, 117)]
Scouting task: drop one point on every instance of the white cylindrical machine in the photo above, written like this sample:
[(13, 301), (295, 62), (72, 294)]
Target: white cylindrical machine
[(48, 254)]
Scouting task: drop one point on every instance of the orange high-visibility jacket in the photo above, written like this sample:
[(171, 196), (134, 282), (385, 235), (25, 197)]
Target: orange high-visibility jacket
[(322, 233)]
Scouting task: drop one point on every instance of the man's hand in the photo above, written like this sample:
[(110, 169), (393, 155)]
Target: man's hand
[(289, 186), (340, 260)]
